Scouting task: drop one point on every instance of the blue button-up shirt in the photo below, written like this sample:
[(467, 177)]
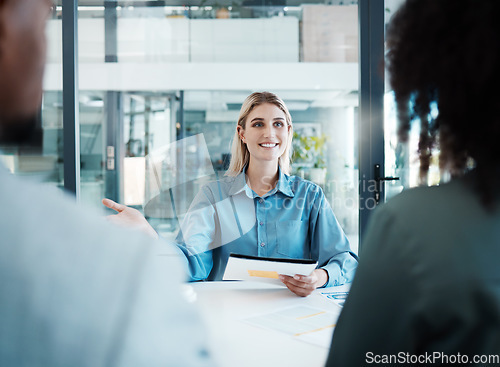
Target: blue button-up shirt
[(293, 220)]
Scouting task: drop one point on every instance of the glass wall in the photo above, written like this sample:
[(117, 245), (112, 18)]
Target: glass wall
[(324, 145), (154, 74)]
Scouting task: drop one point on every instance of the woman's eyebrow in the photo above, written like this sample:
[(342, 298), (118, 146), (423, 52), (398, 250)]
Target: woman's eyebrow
[(261, 119)]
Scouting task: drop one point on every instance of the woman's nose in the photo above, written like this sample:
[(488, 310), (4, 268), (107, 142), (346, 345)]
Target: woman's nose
[(269, 131)]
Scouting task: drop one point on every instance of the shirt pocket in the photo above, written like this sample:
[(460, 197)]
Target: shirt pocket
[(292, 239)]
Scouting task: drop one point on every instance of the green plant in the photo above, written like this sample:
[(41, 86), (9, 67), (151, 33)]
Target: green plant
[(309, 150)]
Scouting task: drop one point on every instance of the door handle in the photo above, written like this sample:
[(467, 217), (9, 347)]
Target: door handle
[(378, 182)]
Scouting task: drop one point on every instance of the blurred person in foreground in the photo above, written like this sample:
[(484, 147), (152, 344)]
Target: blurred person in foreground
[(428, 280), (75, 291)]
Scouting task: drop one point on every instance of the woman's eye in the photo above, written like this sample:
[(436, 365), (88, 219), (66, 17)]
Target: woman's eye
[(279, 124)]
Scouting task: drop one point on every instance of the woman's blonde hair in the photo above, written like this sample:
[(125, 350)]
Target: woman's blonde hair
[(240, 156)]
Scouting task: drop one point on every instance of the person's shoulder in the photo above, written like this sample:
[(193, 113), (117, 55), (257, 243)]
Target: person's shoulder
[(410, 196), (226, 180), (432, 211), (301, 185), (297, 181), (221, 185), (425, 198), (425, 225)]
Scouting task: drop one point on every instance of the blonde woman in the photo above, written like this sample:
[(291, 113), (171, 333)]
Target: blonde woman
[(259, 209)]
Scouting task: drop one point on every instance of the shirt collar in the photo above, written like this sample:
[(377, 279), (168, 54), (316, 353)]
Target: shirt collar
[(240, 184), (284, 184)]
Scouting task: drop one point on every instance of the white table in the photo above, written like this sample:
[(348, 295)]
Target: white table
[(236, 343)]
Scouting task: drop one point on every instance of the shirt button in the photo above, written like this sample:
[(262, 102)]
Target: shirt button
[(261, 223), (262, 244), (261, 201)]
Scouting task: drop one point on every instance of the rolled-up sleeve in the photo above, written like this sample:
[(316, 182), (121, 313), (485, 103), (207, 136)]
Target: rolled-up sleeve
[(329, 244)]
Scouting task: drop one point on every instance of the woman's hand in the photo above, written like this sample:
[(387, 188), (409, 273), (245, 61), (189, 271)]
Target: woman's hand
[(129, 217), (303, 285)]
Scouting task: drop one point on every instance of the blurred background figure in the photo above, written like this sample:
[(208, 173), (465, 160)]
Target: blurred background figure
[(428, 278)]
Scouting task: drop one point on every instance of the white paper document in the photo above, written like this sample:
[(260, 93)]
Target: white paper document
[(337, 295), (311, 325), (265, 269)]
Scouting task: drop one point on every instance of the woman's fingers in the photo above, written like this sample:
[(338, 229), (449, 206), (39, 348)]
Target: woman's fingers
[(129, 217), (114, 205), (299, 284)]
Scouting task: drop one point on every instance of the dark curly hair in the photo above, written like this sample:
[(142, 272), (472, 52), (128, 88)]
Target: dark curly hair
[(447, 53)]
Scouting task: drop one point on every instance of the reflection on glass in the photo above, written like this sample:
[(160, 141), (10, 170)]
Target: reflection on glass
[(174, 174), (184, 71), (324, 141)]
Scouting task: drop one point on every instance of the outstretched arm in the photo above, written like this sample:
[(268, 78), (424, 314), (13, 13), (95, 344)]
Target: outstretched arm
[(129, 217)]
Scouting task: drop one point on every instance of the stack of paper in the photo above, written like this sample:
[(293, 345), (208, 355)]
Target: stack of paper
[(265, 269)]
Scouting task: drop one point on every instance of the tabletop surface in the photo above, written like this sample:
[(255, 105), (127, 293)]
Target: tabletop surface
[(249, 323)]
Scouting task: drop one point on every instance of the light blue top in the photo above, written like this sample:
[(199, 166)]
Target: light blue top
[(76, 291), (294, 220)]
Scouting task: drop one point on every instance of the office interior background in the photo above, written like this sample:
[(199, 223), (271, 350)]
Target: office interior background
[(151, 73)]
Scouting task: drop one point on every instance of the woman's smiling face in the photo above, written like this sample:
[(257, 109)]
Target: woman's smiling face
[(265, 133)]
